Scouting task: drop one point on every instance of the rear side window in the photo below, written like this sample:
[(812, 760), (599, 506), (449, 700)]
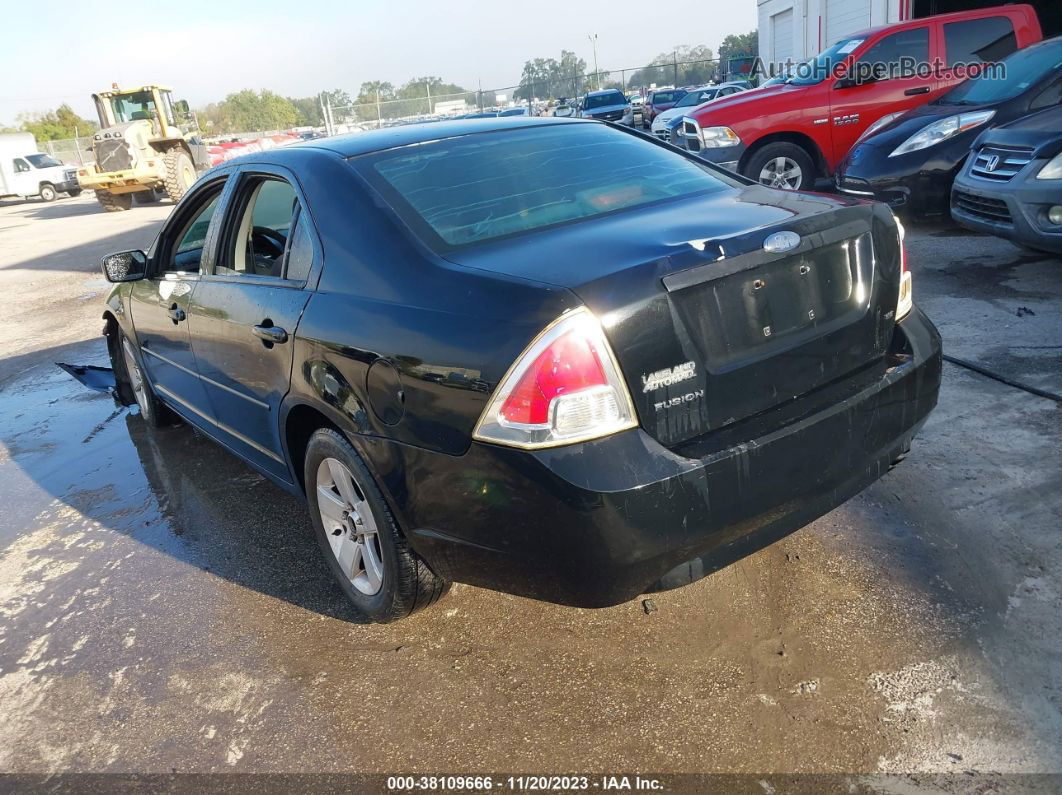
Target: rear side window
[(465, 190), (979, 40)]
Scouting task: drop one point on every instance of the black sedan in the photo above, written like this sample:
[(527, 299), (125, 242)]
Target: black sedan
[(551, 357), (910, 160), (1011, 185)]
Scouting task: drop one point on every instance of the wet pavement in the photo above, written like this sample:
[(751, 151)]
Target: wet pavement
[(163, 607)]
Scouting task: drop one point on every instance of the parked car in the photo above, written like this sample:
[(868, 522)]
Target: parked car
[(26, 172), (658, 101), (520, 111), (1011, 185), (564, 108), (694, 98), (609, 104), (791, 134), (637, 101), (910, 161), (532, 383)]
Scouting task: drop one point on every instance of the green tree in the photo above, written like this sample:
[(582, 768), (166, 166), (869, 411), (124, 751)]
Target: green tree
[(683, 65), (248, 111), (55, 124), (549, 77), (744, 45)]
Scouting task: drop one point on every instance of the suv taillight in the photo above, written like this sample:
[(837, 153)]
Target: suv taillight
[(565, 387)]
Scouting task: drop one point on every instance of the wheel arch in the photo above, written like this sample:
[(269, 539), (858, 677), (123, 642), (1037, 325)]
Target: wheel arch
[(805, 142)]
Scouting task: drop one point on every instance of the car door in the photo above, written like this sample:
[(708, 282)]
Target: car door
[(854, 107), (159, 304), (245, 311)]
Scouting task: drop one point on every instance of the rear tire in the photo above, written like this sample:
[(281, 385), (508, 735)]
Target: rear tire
[(362, 544), (114, 202), (781, 165), (133, 383), (180, 173), (47, 192), (73, 194)]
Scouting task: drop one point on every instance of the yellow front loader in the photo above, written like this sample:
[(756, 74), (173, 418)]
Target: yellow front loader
[(148, 147)]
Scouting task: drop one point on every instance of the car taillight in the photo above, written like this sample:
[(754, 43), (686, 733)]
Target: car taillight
[(565, 387), (905, 300)]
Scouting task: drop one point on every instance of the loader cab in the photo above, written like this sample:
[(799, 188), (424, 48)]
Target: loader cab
[(153, 104)]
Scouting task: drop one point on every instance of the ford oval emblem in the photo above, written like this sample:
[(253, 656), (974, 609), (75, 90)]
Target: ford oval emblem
[(780, 242)]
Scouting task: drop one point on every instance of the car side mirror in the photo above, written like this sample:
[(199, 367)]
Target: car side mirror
[(125, 266)]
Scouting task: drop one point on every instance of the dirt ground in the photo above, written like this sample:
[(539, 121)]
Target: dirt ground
[(163, 608)]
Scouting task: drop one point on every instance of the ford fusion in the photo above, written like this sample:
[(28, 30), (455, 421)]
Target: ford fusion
[(552, 357)]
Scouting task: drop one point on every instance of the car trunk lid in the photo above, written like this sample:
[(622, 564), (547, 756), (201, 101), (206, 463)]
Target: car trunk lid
[(710, 331)]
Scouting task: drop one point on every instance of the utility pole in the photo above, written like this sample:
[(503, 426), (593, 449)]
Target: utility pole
[(427, 87), (324, 115), (379, 118), (331, 119), (675, 56), (593, 41)]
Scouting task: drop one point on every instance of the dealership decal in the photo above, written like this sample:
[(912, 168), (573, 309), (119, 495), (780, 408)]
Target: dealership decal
[(668, 376)]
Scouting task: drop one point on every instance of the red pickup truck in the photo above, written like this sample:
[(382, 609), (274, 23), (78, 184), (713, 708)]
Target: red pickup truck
[(790, 134)]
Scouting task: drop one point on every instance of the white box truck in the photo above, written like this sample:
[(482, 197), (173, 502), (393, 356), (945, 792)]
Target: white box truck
[(25, 171)]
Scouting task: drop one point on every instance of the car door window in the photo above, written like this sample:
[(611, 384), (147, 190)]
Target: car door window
[(186, 255), (978, 40), (21, 165), (260, 238), (300, 251), (884, 59)]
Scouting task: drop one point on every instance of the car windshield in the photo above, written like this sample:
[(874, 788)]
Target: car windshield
[(814, 70), (660, 97), (601, 100), (697, 97), (474, 188), (1023, 69), (43, 161)]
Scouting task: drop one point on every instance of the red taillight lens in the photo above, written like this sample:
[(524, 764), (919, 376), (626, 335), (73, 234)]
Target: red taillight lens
[(568, 365), (566, 387)]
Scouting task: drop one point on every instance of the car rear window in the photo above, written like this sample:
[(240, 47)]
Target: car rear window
[(473, 188), (667, 96)]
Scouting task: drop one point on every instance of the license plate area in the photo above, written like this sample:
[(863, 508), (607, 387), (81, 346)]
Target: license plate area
[(765, 309)]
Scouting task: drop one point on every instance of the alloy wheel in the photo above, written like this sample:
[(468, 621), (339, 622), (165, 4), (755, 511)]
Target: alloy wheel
[(350, 526), (781, 172)]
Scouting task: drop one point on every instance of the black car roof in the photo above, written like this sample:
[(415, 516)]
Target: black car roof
[(376, 140)]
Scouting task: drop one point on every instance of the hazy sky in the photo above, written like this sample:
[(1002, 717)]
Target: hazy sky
[(62, 51)]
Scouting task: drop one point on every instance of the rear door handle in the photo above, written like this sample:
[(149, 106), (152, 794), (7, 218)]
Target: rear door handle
[(911, 92), (271, 334), (176, 313)]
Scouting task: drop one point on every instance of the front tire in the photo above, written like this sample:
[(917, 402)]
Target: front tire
[(180, 173), (134, 384), (781, 165), (362, 544), (114, 202), (48, 193)]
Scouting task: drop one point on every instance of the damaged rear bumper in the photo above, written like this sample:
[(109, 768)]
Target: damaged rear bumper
[(598, 523)]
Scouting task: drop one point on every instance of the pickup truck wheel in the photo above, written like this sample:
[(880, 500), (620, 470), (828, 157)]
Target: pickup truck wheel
[(48, 193), (180, 173), (114, 202), (366, 552), (73, 194), (781, 165)]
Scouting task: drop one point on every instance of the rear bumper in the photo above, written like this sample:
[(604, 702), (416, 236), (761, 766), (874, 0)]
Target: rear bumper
[(1015, 210), (598, 523)]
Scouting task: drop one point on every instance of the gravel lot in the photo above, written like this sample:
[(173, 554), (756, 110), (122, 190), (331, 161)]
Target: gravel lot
[(163, 608)]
